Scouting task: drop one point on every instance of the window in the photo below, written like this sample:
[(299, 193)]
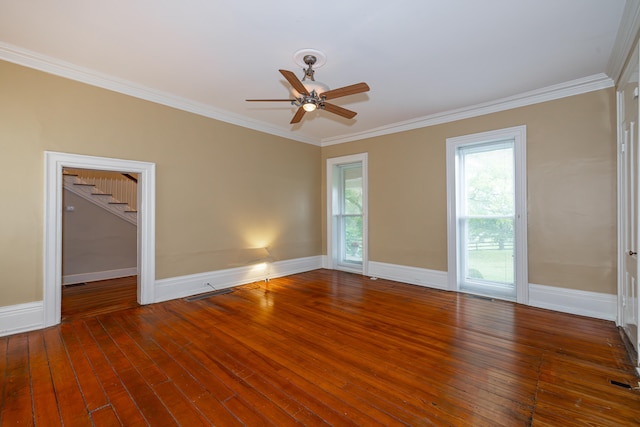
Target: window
[(487, 214), (348, 216), (346, 213)]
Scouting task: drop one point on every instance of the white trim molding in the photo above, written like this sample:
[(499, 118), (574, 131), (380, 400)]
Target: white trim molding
[(413, 275), (549, 93), (30, 316), (185, 286), (625, 39), (583, 303), (18, 318), (519, 136), (72, 279), (52, 269), (57, 67), (332, 203)]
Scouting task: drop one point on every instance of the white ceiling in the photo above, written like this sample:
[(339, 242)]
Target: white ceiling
[(425, 60)]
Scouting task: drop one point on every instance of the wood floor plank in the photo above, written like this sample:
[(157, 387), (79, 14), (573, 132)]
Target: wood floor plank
[(196, 392), (325, 384), (105, 416), (45, 405), (123, 404), (320, 348), (16, 398), (235, 380), (100, 297), (146, 400), (73, 409), (308, 398), (145, 365), (180, 407), (385, 368), (92, 390)]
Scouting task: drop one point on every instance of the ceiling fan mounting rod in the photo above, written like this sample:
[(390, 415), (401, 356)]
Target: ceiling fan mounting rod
[(308, 72)]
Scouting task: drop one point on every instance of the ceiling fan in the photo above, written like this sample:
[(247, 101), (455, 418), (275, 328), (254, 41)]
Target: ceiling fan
[(312, 95)]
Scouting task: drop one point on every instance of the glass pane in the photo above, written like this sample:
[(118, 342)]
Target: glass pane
[(490, 250), (352, 190), (353, 239), (487, 219), (488, 180)]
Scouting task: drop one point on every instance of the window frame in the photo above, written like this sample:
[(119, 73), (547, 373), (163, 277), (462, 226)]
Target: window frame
[(518, 135), (334, 202)]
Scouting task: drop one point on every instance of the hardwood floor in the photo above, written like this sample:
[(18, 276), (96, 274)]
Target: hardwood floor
[(94, 298), (321, 348)]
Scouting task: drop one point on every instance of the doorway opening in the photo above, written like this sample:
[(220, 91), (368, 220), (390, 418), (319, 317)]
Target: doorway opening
[(486, 192), (53, 227), (99, 242)]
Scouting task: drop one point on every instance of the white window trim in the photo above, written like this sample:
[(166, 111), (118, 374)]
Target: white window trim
[(519, 135), (336, 161)]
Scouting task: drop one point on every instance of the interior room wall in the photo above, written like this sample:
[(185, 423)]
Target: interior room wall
[(571, 174), (94, 240), (222, 190)]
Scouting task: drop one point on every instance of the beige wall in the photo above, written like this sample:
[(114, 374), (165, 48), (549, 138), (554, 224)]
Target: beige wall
[(571, 173), (95, 240), (221, 189)]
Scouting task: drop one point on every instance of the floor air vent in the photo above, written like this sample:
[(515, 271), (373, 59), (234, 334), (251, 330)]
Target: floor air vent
[(480, 297), (620, 384), (208, 294)]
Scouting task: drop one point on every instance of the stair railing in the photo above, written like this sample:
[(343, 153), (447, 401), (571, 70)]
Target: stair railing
[(123, 187)]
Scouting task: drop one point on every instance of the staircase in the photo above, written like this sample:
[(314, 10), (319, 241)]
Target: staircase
[(112, 191)]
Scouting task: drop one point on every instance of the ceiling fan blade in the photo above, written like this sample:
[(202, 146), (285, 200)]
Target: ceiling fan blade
[(344, 91), (298, 116), (269, 100), (294, 81), (332, 108)]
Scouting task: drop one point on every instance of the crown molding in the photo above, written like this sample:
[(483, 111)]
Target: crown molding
[(91, 77), (71, 71), (563, 90), (625, 39)]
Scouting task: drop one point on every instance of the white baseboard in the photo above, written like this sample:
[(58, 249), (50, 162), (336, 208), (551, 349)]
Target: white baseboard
[(184, 286), (30, 316), (71, 279), (583, 303), (412, 275), (18, 318)]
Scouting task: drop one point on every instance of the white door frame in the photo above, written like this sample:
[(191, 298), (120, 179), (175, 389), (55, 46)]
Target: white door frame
[(336, 161), (52, 269), (627, 136), (519, 135)]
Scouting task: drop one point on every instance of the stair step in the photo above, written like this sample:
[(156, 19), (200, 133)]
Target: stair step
[(76, 183)]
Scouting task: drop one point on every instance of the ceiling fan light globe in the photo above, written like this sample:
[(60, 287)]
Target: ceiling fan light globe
[(319, 87), (309, 106)]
